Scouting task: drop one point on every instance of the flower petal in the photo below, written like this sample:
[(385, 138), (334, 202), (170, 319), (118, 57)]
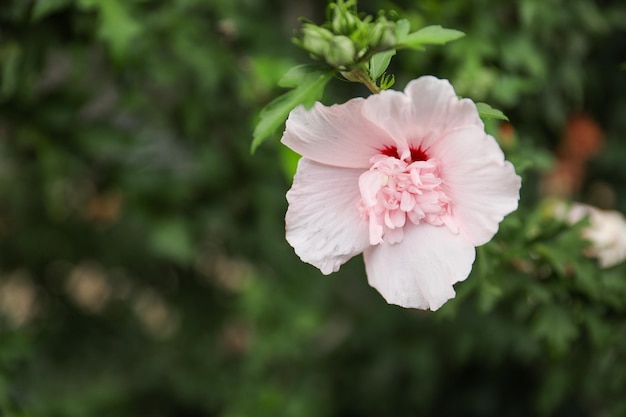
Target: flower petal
[(337, 135), (428, 108), (436, 104), (482, 185), (391, 111), (323, 223), (419, 271)]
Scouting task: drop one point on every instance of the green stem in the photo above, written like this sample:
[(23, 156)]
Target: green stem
[(365, 79)]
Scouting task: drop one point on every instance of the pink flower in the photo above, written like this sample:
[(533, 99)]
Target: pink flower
[(409, 179)]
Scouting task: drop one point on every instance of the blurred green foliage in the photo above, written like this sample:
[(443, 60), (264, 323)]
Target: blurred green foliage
[(143, 267)]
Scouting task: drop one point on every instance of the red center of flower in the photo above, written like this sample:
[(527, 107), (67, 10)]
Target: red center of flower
[(417, 154), (394, 190)]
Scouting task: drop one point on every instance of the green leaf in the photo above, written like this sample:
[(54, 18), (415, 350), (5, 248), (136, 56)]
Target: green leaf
[(485, 111), (387, 81), (117, 27), (87, 4), (43, 8), (380, 62), (430, 35), (289, 162), (556, 326), (298, 74), (308, 90), (10, 58), (403, 27), (172, 240)]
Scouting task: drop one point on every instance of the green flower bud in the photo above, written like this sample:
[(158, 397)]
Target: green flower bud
[(340, 51), (315, 40), (382, 35), (344, 22)]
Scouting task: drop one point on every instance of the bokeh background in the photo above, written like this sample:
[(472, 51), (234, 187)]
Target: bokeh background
[(143, 266)]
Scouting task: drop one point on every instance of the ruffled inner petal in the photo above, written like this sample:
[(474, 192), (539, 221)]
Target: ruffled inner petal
[(393, 190)]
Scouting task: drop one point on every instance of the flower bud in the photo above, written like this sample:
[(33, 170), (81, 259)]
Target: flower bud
[(344, 22), (315, 40), (340, 51), (382, 35)]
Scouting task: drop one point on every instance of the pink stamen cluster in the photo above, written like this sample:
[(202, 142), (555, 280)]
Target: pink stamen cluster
[(394, 190)]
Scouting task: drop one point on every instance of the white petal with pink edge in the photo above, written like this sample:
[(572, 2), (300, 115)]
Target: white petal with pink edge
[(322, 222), (337, 135), (419, 272)]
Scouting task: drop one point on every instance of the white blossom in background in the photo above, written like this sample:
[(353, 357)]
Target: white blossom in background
[(606, 231)]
